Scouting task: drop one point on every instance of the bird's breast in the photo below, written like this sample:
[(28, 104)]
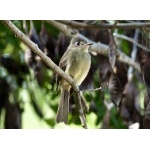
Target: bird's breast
[(78, 66)]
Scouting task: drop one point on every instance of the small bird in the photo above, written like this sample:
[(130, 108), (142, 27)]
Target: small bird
[(76, 62)]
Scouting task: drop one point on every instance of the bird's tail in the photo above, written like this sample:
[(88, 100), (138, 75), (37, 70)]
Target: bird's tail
[(63, 108)]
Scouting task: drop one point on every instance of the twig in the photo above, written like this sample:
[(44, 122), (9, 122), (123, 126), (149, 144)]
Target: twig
[(134, 53), (84, 104), (92, 90), (97, 47), (115, 24), (131, 40), (81, 112), (83, 101), (79, 25), (47, 60)]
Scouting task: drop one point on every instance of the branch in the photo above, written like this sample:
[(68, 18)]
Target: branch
[(81, 112), (63, 28), (35, 49), (97, 47), (79, 25), (131, 40), (133, 54), (47, 60)]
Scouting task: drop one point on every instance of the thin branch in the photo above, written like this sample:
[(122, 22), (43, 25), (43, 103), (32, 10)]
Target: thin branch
[(63, 28), (92, 90), (133, 54), (80, 25), (131, 40), (81, 112), (97, 47), (83, 101), (48, 61)]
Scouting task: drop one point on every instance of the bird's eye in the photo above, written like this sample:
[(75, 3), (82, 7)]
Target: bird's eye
[(77, 43)]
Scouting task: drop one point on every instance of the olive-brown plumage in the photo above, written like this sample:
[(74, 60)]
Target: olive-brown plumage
[(76, 62)]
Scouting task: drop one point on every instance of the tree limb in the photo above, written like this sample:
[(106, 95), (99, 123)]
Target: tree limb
[(96, 47), (63, 28), (49, 62), (35, 49), (79, 25)]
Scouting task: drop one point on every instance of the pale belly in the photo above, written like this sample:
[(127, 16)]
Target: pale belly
[(78, 66)]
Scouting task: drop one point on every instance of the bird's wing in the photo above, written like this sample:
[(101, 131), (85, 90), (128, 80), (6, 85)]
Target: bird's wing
[(62, 65)]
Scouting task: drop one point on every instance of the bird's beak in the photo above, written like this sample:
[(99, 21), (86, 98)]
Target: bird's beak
[(89, 44)]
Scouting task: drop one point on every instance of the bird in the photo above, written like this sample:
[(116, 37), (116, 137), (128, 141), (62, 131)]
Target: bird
[(76, 62)]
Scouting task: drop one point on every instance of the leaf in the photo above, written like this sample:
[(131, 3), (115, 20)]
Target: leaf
[(50, 122), (130, 105), (115, 89), (117, 81), (112, 50), (37, 108), (115, 85)]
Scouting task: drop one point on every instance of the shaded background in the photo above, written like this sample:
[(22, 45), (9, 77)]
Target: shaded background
[(28, 96)]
